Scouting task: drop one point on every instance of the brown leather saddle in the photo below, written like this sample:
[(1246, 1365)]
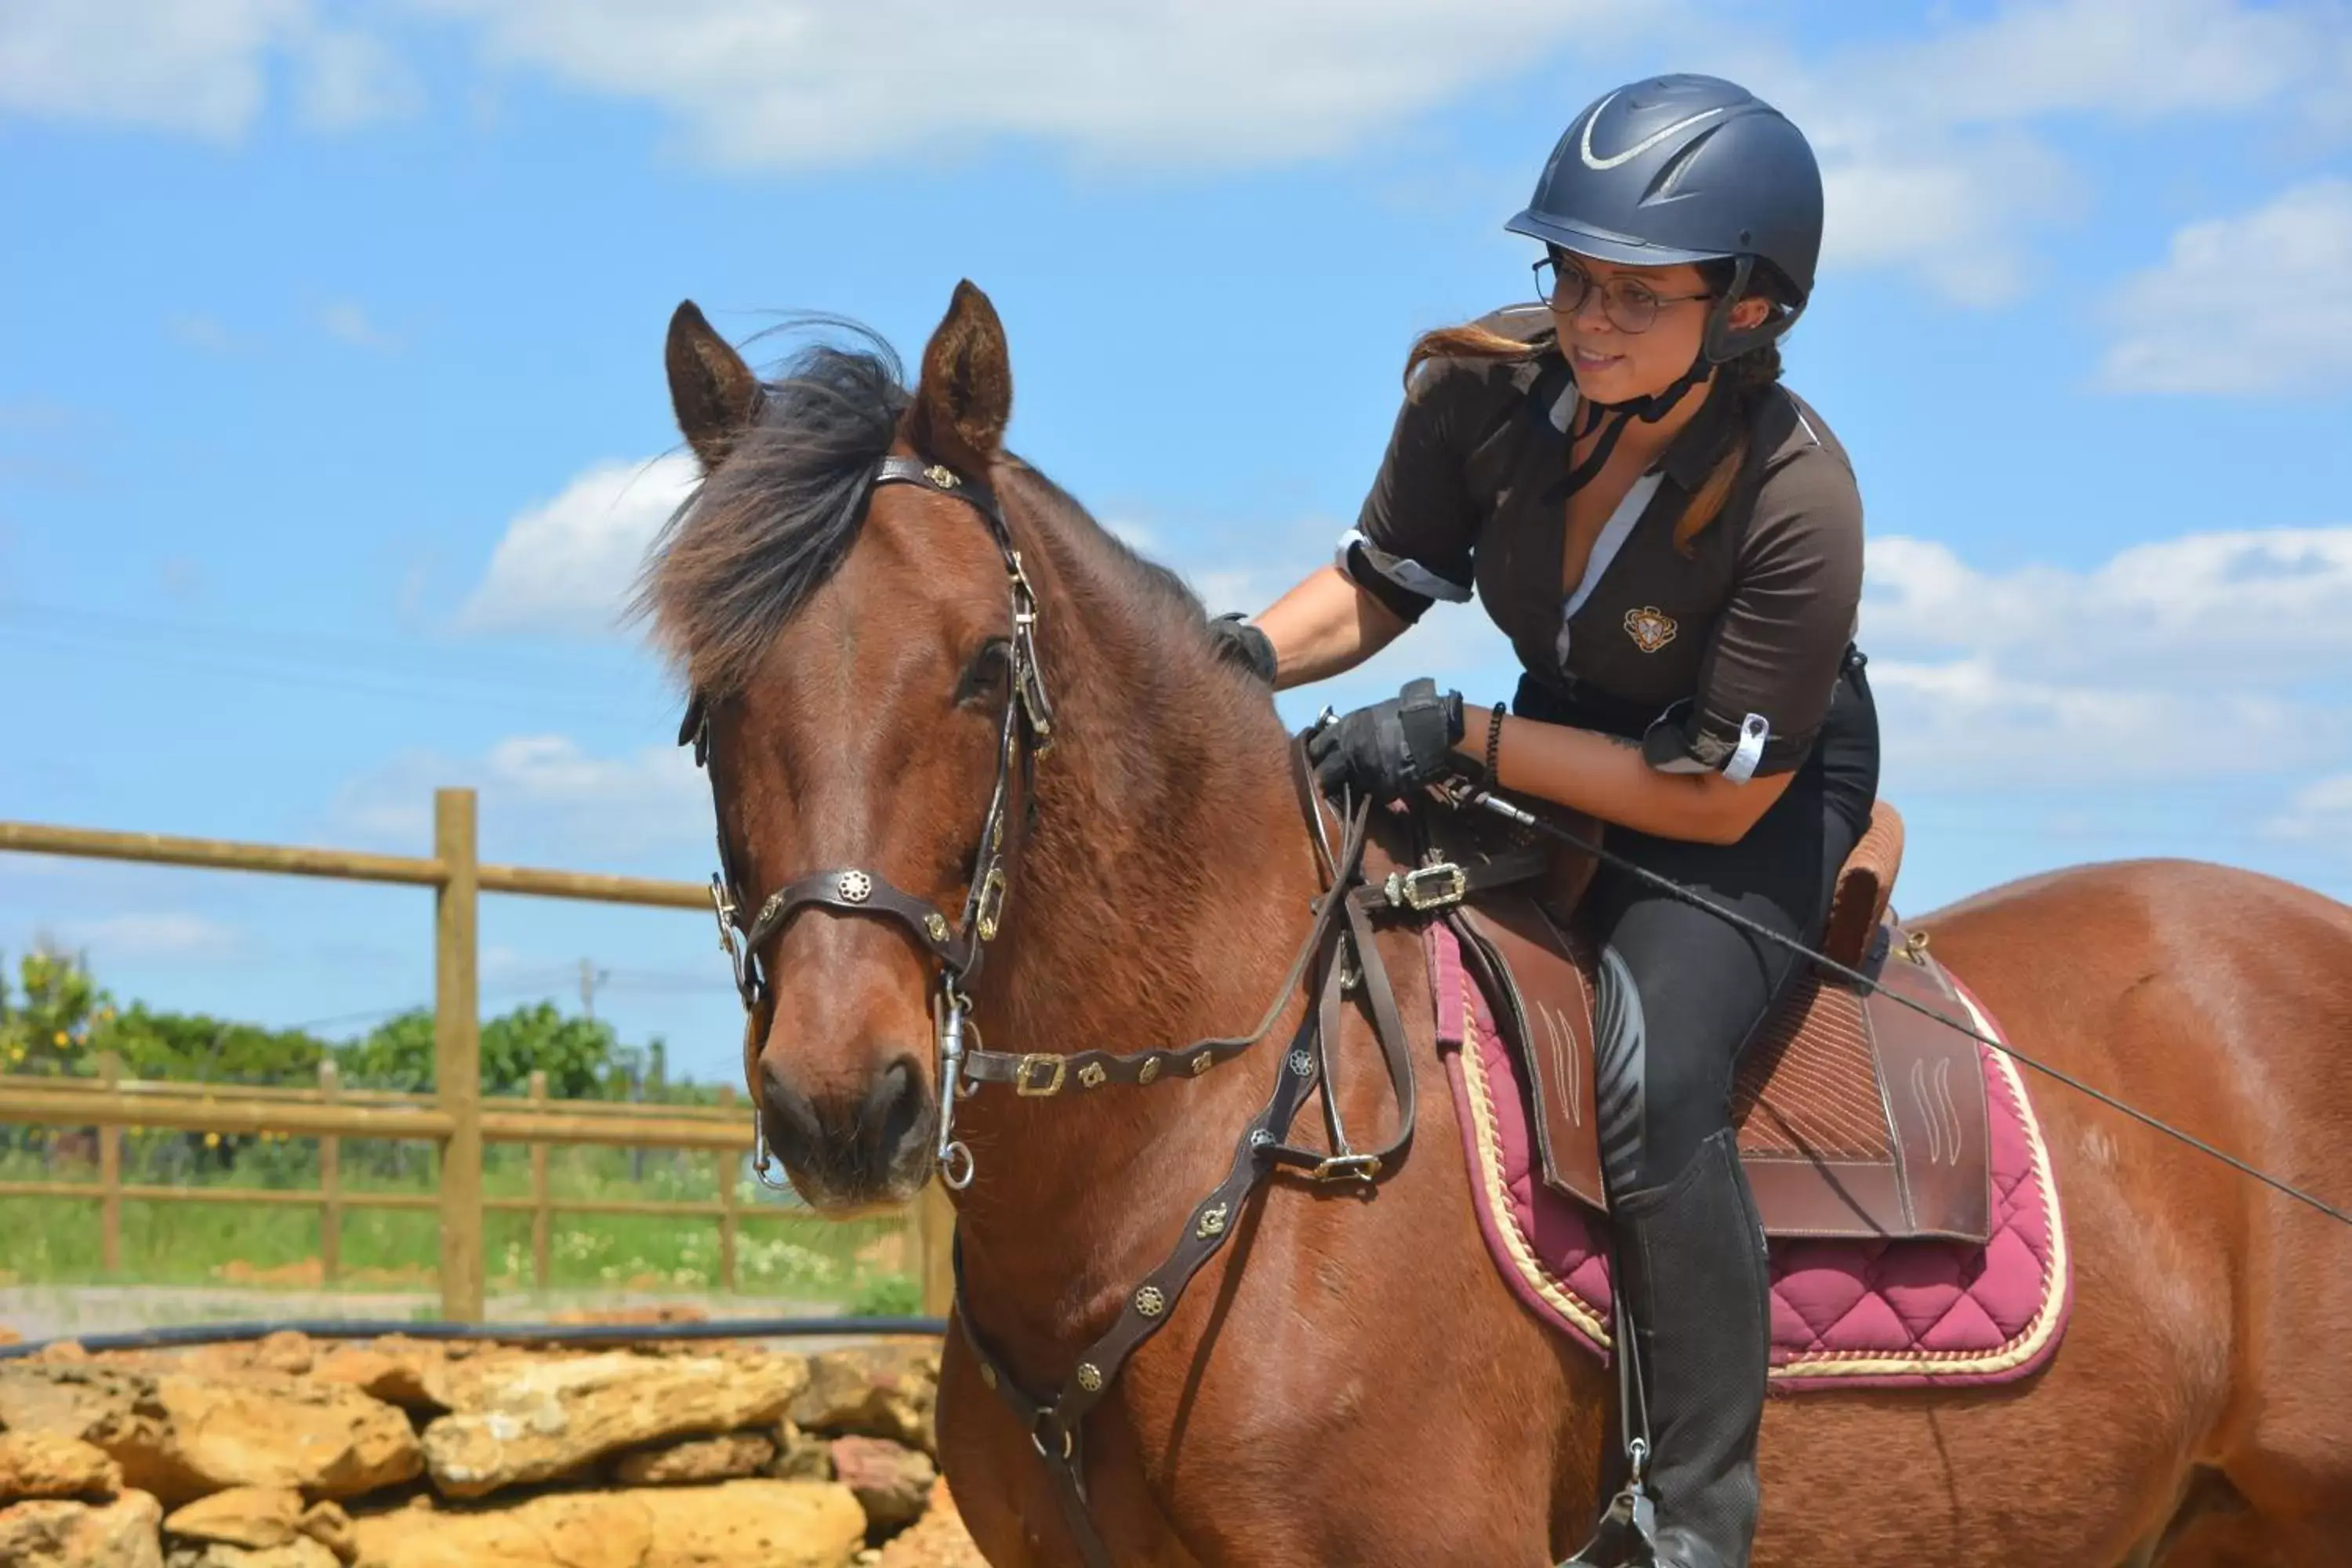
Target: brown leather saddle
[(1857, 1116)]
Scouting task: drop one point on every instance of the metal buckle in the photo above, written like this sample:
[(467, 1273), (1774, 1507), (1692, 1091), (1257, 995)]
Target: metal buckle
[(989, 907), (1344, 1167), (1024, 1081), (1413, 890)]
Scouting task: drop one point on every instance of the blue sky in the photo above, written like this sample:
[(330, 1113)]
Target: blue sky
[(331, 415)]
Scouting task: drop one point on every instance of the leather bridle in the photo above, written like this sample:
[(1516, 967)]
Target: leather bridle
[(1025, 735), (1337, 960)]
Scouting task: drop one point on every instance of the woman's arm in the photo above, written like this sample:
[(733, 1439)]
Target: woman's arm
[(1325, 626), (1607, 777)]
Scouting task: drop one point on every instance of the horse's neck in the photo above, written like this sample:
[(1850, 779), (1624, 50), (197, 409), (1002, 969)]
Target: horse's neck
[(1158, 899)]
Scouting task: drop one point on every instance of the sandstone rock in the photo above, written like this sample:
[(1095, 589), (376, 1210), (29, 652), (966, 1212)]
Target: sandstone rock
[(298, 1553), (654, 1312), (736, 1525), (521, 1418), (395, 1369), (703, 1460), (891, 1482), (883, 1390), (240, 1516), (937, 1539), (10, 1337), (286, 1350), (183, 1436), (119, 1534), (800, 1456), (53, 1465), (61, 1350), (331, 1527)]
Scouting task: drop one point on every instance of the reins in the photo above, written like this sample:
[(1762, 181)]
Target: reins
[(1470, 796)]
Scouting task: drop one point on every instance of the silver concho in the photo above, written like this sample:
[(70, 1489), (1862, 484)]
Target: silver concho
[(855, 887)]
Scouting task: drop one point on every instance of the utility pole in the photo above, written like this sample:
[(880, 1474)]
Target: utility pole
[(590, 977)]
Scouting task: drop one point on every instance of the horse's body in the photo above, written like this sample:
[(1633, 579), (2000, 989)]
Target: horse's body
[(1349, 1382)]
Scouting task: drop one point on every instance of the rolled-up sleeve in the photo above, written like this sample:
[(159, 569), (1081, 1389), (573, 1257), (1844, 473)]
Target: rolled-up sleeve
[(1413, 541), (1773, 666)]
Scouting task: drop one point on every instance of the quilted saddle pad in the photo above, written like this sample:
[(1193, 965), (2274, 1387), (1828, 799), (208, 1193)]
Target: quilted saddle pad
[(1845, 1313)]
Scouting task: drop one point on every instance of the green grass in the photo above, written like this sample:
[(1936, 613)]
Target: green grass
[(781, 1251)]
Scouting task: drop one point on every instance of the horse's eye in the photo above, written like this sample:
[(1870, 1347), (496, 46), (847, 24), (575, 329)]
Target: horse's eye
[(986, 674)]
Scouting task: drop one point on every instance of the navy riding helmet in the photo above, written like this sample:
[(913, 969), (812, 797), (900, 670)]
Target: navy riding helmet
[(1689, 168)]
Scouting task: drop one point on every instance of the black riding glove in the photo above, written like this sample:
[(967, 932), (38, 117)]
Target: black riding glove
[(1389, 748), (1239, 642)]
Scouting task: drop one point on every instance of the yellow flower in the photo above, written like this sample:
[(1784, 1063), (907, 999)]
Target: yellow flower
[(61, 1037), (212, 1140)]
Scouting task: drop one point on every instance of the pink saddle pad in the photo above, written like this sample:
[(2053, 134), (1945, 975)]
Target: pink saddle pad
[(1845, 1313)]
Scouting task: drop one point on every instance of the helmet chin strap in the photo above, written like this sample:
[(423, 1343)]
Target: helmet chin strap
[(1648, 410)]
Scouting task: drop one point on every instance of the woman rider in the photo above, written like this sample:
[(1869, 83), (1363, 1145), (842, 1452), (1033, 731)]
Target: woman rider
[(1673, 542)]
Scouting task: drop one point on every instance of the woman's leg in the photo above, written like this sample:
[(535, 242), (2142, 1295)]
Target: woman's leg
[(1681, 993)]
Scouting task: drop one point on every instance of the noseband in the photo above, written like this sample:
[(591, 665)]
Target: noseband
[(1025, 735)]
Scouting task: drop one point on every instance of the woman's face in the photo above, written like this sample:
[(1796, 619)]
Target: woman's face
[(1613, 364)]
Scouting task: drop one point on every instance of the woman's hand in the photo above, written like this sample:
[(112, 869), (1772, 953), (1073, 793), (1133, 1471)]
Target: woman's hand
[(1392, 747), (1238, 642)]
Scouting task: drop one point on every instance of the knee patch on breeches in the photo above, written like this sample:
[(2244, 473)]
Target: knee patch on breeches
[(1620, 1057)]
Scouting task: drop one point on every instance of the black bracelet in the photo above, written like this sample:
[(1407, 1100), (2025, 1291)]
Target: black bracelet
[(1494, 744)]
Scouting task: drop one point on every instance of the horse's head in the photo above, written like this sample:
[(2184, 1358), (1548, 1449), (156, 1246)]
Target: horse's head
[(853, 650)]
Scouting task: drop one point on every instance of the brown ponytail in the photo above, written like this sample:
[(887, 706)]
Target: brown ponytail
[(1472, 342), (1744, 381)]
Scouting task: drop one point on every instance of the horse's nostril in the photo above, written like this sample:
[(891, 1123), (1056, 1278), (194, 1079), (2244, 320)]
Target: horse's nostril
[(789, 1119), (896, 1110)]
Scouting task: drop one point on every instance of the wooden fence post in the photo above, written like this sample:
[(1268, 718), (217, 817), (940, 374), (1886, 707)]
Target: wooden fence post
[(934, 1228), (110, 1175), (541, 1242), (330, 1184), (458, 1051), (727, 1162)]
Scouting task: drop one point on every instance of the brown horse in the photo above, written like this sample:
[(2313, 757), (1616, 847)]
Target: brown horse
[(1348, 1382)]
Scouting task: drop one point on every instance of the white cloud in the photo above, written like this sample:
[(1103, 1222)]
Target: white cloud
[(206, 333), (196, 70), (2222, 608), (2319, 813), (349, 323), (350, 78), (1932, 149), (1971, 725), (158, 935), (803, 83), (536, 794), (2203, 656), (565, 566), (2246, 304)]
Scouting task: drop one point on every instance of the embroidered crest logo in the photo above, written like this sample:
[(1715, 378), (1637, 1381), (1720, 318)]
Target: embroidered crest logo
[(1650, 627)]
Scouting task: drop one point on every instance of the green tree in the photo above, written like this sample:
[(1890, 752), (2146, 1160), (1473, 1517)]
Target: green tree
[(47, 1027), (579, 1056)]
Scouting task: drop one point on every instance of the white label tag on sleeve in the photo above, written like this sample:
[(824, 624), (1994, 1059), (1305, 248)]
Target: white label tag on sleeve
[(1754, 731)]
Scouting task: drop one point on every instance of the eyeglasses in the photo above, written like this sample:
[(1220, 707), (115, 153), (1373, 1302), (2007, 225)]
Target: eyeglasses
[(1631, 305)]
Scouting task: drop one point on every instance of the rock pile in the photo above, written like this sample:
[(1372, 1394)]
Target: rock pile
[(403, 1452)]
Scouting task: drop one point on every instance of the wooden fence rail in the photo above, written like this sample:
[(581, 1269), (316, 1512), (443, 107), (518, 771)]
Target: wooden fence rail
[(456, 1117)]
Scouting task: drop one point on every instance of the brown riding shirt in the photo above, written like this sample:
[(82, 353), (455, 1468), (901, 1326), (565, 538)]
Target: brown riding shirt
[(1727, 657)]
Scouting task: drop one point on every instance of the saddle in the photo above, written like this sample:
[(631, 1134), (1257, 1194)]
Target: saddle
[(1857, 1117)]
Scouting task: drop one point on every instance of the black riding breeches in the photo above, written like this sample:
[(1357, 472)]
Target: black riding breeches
[(1682, 991)]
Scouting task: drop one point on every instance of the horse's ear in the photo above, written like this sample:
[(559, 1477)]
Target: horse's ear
[(712, 391), (965, 398)]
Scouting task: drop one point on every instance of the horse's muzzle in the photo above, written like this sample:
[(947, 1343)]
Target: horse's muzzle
[(853, 1150)]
